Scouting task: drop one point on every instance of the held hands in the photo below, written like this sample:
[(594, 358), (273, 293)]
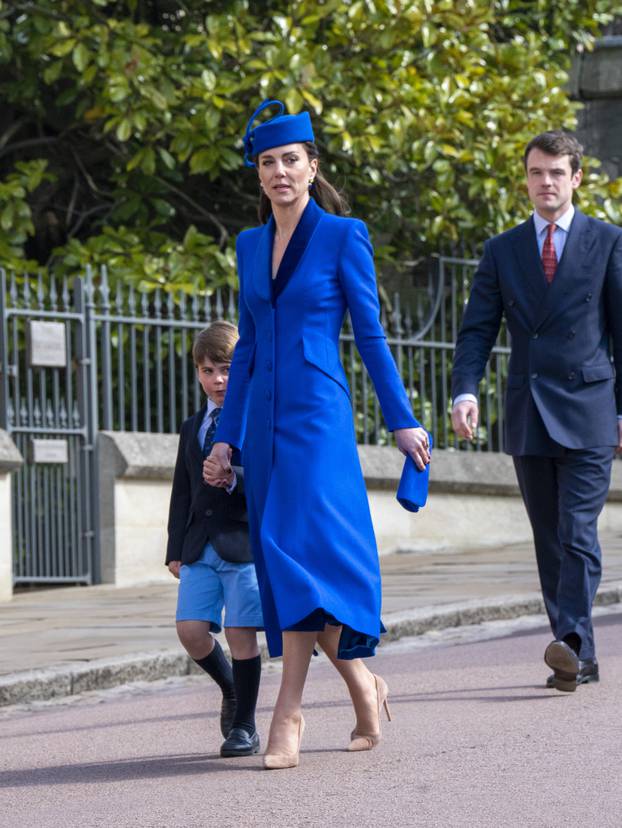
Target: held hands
[(414, 441), (217, 469), (464, 418)]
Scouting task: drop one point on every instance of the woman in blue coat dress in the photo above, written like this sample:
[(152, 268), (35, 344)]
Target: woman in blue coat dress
[(288, 404)]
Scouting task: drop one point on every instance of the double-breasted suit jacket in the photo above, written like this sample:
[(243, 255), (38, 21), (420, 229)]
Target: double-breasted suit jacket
[(563, 387), (200, 513), (288, 401), (563, 396)]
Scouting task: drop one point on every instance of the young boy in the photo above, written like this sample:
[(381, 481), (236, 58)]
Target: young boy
[(209, 551)]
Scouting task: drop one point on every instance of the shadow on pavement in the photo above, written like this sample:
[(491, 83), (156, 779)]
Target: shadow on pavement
[(143, 767)]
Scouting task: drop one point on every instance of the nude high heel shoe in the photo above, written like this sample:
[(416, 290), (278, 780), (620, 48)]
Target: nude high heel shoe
[(367, 741), (278, 761)]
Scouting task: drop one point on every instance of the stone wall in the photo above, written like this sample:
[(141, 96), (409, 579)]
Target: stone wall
[(474, 501)]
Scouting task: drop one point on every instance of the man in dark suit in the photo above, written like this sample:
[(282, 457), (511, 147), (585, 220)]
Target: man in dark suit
[(557, 278), (209, 551)]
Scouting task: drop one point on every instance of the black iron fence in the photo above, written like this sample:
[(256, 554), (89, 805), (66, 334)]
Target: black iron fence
[(127, 367)]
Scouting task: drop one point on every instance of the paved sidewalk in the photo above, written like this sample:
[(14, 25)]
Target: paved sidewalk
[(66, 640)]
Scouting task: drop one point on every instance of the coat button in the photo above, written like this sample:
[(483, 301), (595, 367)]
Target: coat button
[(209, 512), (588, 297), (534, 375), (268, 395), (571, 334), (571, 375), (511, 303), (534, 335)]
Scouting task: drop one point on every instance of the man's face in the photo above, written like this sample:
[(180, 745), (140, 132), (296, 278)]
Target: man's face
[(213, 377), (550, 183)]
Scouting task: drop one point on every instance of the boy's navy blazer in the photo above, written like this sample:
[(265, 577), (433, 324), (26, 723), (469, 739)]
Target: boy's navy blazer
[(565, 368), (200, 513)]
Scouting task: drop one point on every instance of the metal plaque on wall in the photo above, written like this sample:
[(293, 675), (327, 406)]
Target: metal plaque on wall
[(46, 344), (49, 451)]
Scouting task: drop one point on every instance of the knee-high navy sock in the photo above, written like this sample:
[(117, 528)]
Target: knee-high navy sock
[(217, 666), (246, 675)]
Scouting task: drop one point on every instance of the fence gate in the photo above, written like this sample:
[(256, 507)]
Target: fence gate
[(45, 405)]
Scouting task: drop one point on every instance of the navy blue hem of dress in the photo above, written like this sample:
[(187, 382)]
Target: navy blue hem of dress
[(352, 643)]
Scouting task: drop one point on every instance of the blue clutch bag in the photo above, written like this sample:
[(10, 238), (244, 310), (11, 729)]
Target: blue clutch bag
[(412, 492)]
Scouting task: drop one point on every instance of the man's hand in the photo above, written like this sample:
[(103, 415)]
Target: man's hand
[(619, 447), (173, 568), (464, 418), (415, 442), (217, 467)]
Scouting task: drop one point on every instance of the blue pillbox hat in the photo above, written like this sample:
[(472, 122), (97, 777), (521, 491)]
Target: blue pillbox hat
[(412, 492), (279, 130)]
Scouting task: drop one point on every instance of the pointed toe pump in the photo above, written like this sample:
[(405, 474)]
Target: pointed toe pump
[(279, 761), (367, 741)]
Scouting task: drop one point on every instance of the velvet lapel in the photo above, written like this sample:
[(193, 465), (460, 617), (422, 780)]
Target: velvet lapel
[(262, 266), (525, 246), (577, 245), (296, 247)]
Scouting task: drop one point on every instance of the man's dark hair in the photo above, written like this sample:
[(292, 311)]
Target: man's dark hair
[(216, 343), (557, 142)]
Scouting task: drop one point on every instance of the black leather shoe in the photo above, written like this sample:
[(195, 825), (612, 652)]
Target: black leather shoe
[(227, 714), (240, 743), (588, 673)]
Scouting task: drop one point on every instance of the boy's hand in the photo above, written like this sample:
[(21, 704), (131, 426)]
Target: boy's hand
[(213, 474), (173, 568), (217, 467)]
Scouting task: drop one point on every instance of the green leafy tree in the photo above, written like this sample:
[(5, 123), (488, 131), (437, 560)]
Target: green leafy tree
[(121, 125)]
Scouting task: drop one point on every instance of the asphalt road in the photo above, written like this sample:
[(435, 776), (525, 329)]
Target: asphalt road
[(476, 741)]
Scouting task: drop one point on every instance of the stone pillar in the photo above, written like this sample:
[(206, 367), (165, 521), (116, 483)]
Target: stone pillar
[(10, 459), (135, 472), (596, 81)]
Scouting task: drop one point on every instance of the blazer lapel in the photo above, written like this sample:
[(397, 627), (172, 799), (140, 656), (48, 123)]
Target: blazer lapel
[(196, 451), (296, 247), (577, 246), (525, 246), (262, 266)]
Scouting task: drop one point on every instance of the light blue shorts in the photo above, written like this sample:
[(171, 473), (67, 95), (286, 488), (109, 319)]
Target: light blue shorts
[(209, 584)]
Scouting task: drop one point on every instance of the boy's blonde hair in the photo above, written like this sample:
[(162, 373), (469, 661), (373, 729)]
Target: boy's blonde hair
[(215, 343)]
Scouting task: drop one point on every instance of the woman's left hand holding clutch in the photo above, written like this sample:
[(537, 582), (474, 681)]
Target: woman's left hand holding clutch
[(415, 442)]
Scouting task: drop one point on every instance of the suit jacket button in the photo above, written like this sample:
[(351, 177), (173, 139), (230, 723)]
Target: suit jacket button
[(571, 375), (588, 297), (268, 395), (571, 334), (534, 375), (269, 365), (209, 512), (534, 335)]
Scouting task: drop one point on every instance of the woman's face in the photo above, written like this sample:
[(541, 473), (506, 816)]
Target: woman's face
[(285, 173)]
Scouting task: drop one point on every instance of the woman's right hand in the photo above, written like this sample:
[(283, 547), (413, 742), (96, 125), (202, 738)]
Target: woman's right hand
[(217, 467)]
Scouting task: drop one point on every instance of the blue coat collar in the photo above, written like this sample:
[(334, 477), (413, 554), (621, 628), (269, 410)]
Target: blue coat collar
[(267, 287), (296, 248)]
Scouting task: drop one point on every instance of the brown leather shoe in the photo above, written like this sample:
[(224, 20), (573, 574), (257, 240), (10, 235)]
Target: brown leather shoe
[(588, 673)]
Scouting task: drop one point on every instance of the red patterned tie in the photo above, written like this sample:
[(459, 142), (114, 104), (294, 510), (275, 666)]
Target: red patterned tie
[(549, 257)]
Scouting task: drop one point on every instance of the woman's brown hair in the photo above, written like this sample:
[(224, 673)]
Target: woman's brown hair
[(323, 192)]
